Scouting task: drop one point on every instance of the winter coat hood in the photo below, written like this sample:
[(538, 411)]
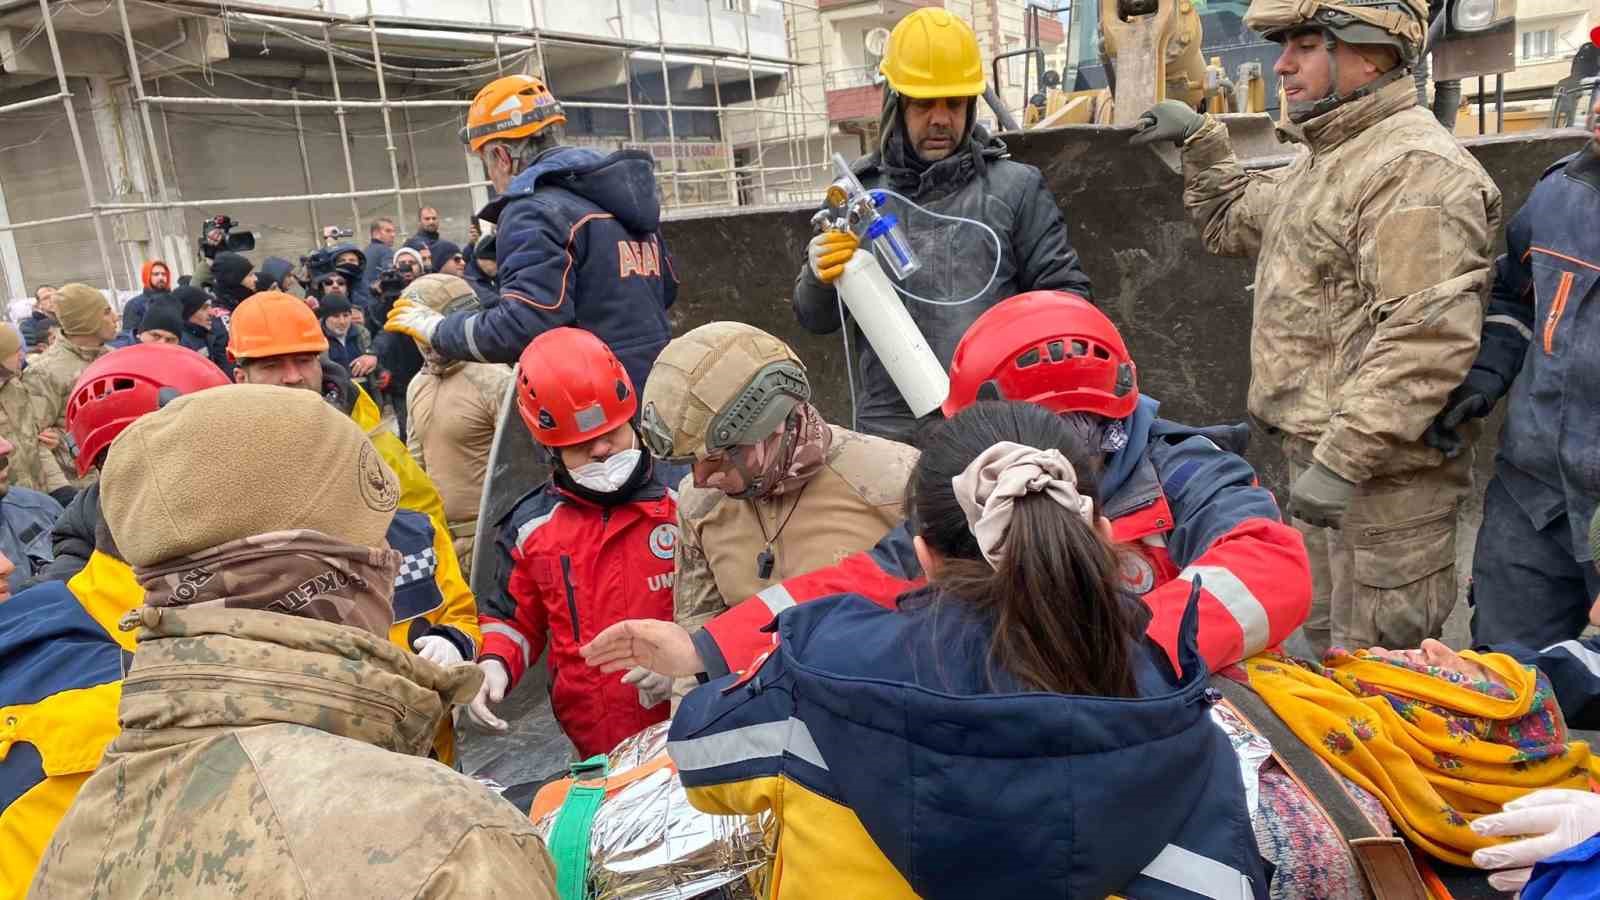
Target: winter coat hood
[(271, 274), (622, 184), (149, 268), (1121, 464)]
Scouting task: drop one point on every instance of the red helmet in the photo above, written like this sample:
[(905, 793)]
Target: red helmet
[(1046, 347), (125, 384), (571, 388)]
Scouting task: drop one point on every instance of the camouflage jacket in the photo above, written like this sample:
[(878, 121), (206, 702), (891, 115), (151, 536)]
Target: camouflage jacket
[(453, 445), (53, 377), (263, 755), (845, 508), (1373, 265), (24, 412)]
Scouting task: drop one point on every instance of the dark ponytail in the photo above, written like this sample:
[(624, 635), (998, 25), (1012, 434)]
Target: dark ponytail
[(1062, 623)]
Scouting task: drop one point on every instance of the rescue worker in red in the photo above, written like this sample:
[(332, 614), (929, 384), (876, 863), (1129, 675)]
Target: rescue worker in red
[(1184, 506), (595, 547)]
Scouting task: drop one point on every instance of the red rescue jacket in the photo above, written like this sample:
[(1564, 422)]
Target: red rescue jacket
[(577, 568), (1184, 507)]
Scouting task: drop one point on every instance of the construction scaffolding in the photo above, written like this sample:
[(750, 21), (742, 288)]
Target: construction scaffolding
[(760, 135)]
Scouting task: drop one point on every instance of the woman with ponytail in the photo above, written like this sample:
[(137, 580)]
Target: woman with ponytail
[(1008, 732)]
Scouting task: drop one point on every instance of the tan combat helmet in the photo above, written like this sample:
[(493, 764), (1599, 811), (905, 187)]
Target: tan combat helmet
[(722, 385), (442, 293), (1401, 24)]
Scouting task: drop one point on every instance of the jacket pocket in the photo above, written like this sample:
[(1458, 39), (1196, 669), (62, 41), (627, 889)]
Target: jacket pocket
[(1558, 305), (1405, 584), (572, 595)]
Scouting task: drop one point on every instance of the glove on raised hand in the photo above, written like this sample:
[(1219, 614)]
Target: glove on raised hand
[(829, 251), (1169, 120), (413, 320)]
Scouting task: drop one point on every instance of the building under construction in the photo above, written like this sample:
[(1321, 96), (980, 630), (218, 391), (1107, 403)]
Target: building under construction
[(130, 122)]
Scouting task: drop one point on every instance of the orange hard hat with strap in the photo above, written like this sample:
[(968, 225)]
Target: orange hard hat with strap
[(272, 323), (516, 106)]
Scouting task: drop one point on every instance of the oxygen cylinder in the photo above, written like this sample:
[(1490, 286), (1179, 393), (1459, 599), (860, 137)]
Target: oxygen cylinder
[(888, 327)]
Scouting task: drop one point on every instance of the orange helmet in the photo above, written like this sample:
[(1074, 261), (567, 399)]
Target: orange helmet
[(272, 323), (516, 106)]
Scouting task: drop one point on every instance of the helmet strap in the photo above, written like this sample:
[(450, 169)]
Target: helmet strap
[(1300, 113)]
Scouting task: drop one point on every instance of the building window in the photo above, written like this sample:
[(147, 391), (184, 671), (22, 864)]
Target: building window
[(1539, 44)]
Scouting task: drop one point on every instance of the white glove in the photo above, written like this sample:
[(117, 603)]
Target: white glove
[(414, 320), (493, 690), (436, 649), (654, 688), (1552, 819)]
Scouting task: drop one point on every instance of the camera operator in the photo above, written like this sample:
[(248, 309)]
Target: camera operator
[(233, 278), (397, 354)]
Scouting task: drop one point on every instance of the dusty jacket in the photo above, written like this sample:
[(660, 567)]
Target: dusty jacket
[(845, 508), (54, 376), (453, 447), (24, 412), (25, 521), (979, 181), (223, 709), (1373, 253)]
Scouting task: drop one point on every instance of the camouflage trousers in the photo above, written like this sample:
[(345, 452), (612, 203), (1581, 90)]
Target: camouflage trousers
[(1387, 577)]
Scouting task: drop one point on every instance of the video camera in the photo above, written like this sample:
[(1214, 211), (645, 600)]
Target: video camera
[(391, 282), (317, 264), (218, 235)]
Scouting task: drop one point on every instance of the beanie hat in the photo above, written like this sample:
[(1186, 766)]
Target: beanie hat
[(191, 299), (442, 251), (10, 340), (80, 308), (409, 252), (332, 305), (164, 314), (158, 510), (484, 248), (229, 269), (442, 293)]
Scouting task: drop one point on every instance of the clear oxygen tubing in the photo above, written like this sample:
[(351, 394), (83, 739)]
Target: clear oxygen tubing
[(844, 320)]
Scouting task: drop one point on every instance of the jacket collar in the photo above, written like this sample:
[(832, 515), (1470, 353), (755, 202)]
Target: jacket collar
[(199, 673), (87, 354), (1585, 167), (1331, 129)]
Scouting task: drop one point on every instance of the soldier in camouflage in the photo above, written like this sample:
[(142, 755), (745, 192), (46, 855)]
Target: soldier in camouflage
[(775, 490), (87, 323), (267, 721), (1373, 254), (24, 413)]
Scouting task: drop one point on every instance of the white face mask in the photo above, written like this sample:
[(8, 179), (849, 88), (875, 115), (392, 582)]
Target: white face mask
[(609, 475)]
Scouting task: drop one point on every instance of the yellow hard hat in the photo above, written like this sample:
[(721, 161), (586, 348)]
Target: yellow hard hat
[(515, 106), (933, 54)]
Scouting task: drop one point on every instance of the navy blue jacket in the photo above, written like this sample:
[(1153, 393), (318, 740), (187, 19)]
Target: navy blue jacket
[(969, 786), (1541, 341), (1573, 668), (579, 243), (380, 256), (26, 518)]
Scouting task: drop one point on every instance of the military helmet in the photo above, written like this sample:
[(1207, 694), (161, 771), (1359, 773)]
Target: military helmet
[(722, 385), (442, 293), (1401, 24)]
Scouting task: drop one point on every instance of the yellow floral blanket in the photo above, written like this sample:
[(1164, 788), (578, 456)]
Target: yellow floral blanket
[(1437, 748)]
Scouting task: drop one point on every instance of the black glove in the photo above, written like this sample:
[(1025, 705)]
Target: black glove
[(1169, 120), (1472, 399)]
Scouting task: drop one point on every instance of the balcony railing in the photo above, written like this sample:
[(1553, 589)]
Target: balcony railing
[(859, 76)]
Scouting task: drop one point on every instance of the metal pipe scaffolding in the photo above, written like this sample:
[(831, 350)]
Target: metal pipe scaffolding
[(388, 131), (77, 143)]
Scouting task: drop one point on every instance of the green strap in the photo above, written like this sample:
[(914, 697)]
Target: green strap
[(569, 838)]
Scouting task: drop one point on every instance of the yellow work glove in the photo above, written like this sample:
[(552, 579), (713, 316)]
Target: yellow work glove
[(413, 320), (829, 251)]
